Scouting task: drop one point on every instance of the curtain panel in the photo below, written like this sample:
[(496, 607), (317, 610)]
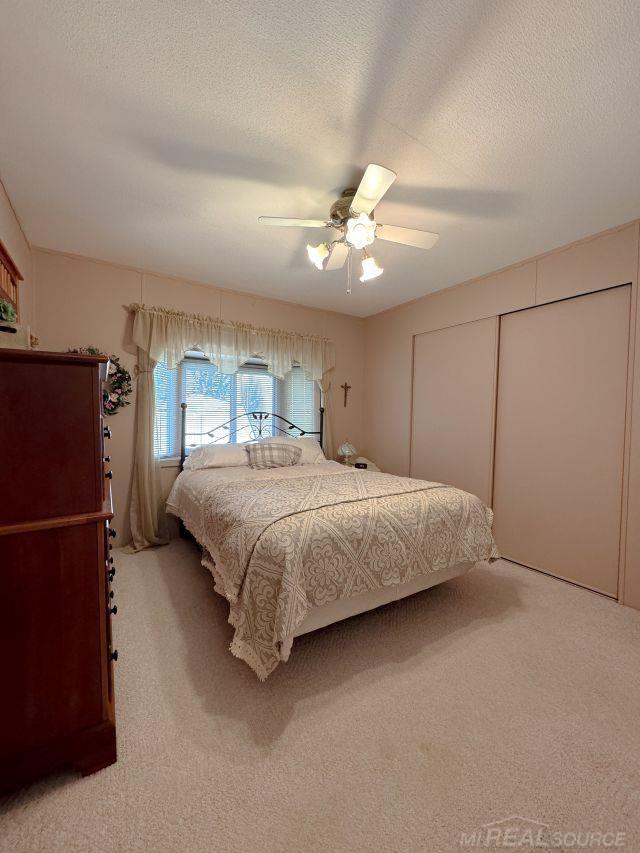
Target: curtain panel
[(164, 335)]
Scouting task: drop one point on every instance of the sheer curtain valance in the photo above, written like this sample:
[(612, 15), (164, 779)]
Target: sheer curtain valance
[(167, 335), (164, 335)]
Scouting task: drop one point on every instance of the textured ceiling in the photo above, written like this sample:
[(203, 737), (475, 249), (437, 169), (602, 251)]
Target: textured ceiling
[(154, 133)]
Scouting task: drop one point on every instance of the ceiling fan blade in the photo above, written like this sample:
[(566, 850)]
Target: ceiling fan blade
[(338, 255), (374, 184), (407, 236), (296, 223)]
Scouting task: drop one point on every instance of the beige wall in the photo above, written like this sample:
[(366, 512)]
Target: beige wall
[(595, 263), (12, 236), (81, 302)]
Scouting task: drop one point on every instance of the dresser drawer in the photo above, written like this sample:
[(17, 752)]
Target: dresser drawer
[(50, 611), (50, 437)]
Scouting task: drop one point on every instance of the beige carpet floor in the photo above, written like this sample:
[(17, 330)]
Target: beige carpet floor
[(502, 693)]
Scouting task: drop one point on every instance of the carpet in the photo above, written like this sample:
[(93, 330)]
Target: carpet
[(502, 699)]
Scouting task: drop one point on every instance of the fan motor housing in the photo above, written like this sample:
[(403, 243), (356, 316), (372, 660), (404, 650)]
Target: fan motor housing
[(340, 209)]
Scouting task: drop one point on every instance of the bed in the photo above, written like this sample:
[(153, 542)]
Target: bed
[(296, 548)]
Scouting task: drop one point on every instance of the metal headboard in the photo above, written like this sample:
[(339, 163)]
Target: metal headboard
[(263, 420)]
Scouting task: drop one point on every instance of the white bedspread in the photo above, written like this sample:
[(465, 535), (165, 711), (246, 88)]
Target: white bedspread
[(185, 498), (282, 541)]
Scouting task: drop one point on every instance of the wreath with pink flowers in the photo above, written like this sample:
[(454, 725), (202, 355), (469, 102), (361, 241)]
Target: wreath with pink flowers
[(118, 386)]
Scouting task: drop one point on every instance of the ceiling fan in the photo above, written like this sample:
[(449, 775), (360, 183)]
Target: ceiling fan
[(353, 216)]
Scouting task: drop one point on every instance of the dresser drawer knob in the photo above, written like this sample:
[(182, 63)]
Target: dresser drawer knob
[(114, 655), (113, 610), (107, 459), (110, 560), (112, 574), (109, 475), (112, 533), (111, 594), (106, 432)]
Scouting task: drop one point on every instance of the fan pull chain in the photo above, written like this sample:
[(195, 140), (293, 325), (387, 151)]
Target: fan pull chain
[(349, 272)]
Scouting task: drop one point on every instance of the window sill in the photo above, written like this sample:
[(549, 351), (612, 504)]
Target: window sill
[(169, 462)]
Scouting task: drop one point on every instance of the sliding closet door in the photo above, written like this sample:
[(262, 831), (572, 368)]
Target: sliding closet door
[(560, 436), (454, 373)]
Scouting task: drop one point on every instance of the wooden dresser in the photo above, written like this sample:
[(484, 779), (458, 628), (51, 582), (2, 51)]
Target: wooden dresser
[(56, 601)]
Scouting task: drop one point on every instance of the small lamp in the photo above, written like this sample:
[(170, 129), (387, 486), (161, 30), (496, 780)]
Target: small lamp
[(347, 451)]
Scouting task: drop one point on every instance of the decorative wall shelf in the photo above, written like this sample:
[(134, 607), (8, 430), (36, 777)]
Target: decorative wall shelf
[(9, 277)]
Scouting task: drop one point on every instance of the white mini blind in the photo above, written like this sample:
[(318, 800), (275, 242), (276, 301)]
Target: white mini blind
[(256, 391), (214, 398), (166, 425), (300, 404), (209, 395)]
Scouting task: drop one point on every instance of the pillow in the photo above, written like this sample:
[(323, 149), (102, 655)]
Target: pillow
[(264, 454), (216, 456), (311, 450)]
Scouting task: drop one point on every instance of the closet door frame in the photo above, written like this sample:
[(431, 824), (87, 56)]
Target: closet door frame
[(626, 451)]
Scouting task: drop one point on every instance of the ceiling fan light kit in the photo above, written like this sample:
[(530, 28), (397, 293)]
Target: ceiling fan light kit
[(370, 268), (318, 254), (360, 231), (352, 214)]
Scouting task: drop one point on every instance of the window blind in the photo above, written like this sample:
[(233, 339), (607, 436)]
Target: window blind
[(210, 400), (166, 425), (256, 391), (300, 400)]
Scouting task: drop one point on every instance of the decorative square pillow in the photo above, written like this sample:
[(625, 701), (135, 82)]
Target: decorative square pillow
[(311, 450), (272, 455)]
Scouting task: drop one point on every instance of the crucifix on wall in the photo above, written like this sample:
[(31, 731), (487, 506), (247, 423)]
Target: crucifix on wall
[(346, 388)]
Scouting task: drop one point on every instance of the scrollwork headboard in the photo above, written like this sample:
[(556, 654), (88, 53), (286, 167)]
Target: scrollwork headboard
[(254, 424)]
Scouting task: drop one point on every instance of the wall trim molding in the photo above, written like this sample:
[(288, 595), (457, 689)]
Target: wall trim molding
[(509, 268)]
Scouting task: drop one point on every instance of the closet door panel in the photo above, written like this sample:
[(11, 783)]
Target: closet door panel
[(560, 437), (454, 374)]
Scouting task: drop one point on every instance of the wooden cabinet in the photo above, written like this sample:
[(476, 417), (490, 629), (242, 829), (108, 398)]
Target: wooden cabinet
[(55, 567)]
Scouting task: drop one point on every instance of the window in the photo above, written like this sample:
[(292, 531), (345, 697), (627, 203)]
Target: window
[(214, 398)]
